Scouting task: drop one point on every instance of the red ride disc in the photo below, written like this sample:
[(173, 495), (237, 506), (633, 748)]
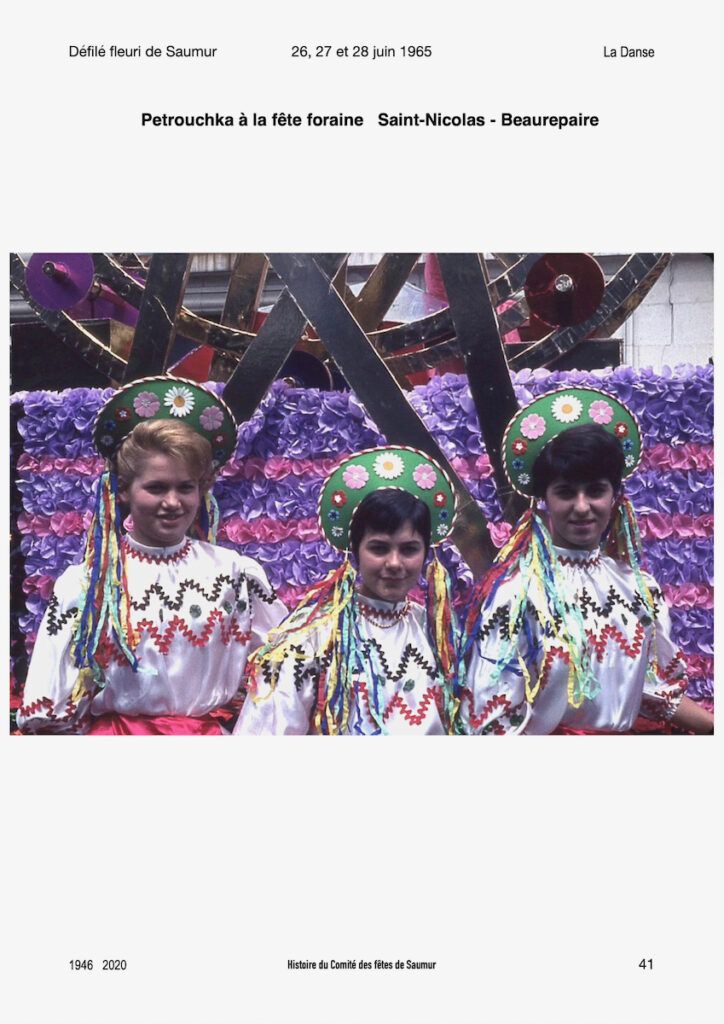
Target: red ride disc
[(564, 288)]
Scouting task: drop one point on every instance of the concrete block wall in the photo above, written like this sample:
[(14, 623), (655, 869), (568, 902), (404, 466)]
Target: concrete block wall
[(675, 323)]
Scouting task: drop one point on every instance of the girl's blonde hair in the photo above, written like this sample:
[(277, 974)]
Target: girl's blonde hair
[(163, 437)]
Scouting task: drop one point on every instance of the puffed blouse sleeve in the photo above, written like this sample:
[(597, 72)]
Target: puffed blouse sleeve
[(282, 703), (495, 706), (666, 684), (49, 701)]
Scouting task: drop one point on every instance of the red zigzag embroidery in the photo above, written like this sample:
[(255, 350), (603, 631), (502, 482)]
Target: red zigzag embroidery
[(431, 695)]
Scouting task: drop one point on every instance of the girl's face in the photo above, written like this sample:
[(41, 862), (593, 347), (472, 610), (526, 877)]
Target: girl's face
[(390, 564), (579, 512), (164, 500)]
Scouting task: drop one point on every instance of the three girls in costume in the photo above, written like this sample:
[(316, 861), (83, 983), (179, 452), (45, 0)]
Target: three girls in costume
[(151, 633)]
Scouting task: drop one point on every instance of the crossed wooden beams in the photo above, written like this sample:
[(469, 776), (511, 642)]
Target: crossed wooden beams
[(315, 293)]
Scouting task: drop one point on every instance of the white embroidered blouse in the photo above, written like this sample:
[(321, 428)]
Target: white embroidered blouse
[(622, 637), (394, 650), (198, 609)]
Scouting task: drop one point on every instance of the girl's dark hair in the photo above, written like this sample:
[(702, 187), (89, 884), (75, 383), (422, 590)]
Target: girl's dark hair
[(584, 453), (385, 511)]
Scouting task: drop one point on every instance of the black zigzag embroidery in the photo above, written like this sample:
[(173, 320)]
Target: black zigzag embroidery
[(256, 590), (500, 619), (613, 600), (410, 654), (55, 622), (174, 604), (313, 670)]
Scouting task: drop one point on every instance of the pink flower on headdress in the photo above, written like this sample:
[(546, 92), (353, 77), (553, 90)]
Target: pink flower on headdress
[(424, 476), (601, 412), (532, 426), (146, 404), (211, 418), (355, 476)]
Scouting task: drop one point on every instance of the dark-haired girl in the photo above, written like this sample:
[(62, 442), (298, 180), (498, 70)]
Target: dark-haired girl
[(563, 634), (357, 656)]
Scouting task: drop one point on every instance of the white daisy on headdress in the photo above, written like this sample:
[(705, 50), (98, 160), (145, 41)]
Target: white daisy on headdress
[(566, 408), (389, 466), (180, 401)]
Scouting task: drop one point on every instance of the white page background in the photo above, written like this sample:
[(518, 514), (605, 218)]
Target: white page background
[(537, 873)]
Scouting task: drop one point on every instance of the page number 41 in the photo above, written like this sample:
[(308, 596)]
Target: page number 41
[(646, 965)]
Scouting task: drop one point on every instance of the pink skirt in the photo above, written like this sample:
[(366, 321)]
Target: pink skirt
[(114, 724)]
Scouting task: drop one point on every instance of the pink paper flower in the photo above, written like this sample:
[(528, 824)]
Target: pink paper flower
[(424, 476), (500, 533), (146, 404), (211, 418), (532, 426), (355, 476), (601, 412)]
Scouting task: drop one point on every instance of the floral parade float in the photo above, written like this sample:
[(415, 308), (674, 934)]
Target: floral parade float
[(293, 437)]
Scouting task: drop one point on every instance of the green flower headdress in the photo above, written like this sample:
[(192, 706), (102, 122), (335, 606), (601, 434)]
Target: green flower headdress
[(539, 422)]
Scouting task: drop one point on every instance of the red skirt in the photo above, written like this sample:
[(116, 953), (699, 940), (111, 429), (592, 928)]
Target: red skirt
[(114, 724)]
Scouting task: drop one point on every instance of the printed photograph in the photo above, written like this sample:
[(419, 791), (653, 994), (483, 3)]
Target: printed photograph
[(361, 494)]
